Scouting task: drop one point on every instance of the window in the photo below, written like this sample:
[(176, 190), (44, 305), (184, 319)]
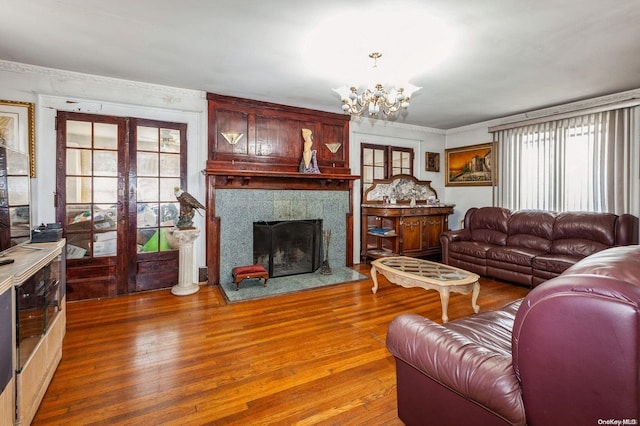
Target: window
[(575, 164), (383, 162)]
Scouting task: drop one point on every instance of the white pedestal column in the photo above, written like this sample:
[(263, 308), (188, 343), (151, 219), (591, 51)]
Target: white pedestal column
[(185, 284)]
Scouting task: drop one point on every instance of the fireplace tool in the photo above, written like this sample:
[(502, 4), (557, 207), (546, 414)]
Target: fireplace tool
[(325, 269)]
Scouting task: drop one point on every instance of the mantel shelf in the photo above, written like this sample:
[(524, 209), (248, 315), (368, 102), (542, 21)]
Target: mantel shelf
[(232, 173), (250, 179)]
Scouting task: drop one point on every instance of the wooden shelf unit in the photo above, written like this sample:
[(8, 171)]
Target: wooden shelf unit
[(417, 230)]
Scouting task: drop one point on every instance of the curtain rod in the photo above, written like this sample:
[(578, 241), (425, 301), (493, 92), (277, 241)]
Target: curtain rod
[(561, 116)]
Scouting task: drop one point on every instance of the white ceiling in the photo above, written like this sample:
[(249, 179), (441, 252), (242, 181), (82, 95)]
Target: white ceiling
[(502, 57)]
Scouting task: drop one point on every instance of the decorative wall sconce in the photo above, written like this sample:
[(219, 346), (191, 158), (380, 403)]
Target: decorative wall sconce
[(333, 146), (232, 137)]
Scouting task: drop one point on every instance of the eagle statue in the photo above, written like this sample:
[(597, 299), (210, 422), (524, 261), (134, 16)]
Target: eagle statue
[(188, 206)]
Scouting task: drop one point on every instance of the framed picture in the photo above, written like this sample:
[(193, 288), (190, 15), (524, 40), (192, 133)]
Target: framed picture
[(472, 165), (17, 130), (432, 162)]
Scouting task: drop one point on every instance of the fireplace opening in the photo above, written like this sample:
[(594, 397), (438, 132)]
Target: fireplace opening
[(288, 247)]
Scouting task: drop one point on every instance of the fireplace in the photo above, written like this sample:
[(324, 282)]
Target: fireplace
[(288, 247)]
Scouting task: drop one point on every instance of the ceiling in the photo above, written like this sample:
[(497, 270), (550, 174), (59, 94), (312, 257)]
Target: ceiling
[(475, 60)]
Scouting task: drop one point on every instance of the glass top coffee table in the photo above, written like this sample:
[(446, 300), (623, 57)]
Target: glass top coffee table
[(412, 272)]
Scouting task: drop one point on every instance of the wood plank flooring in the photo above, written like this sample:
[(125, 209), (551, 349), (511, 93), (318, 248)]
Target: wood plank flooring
[(316, 357)]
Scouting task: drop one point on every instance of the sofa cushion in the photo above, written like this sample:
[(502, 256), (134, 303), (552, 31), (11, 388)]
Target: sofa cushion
[(555, 263), (531, 229), (583, 233), (514, 255), (471, 248), (489, 225)]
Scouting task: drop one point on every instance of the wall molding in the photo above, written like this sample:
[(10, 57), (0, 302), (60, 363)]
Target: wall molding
[(63, 75), (567, 108)]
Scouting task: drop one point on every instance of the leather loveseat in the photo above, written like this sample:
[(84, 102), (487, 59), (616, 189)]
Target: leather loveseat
[(566, 354), (528, 247)]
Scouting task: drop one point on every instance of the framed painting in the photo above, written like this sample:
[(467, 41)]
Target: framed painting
[(17, 130), (472, 165), (432, 162)]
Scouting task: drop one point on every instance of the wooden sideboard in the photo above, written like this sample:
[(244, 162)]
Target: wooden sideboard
[(402, 216), (414, 231)]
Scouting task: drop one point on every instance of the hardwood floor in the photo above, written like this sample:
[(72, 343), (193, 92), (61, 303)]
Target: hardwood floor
[(312, 358)]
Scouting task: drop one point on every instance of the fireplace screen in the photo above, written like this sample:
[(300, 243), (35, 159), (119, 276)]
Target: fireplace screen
[(288, 247)]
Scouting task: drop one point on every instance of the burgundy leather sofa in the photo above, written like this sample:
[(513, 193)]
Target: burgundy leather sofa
[(566, 354), (528, 247)]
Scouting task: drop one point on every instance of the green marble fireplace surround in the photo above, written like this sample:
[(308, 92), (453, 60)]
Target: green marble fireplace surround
[(238, 209)]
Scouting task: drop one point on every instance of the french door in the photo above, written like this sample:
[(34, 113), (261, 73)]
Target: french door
[(114, 198)]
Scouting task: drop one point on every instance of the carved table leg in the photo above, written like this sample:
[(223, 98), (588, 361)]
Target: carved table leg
[(444, 300), (474, 297), (374, 277)]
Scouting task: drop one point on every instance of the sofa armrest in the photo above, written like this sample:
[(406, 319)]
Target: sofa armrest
[(583, 332), (457, 235), (447, 237), (479, 373)]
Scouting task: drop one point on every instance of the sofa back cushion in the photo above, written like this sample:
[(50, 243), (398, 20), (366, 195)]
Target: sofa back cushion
[(622, 263), (489, 225), (583, 233), (531, 229)]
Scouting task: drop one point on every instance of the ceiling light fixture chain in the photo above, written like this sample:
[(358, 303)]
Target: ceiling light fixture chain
[(375, 99)]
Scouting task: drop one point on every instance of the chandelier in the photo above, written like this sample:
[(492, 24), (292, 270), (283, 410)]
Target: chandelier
[(375, 99)]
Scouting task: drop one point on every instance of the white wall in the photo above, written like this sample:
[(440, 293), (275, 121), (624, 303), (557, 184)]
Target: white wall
[(52, 90)]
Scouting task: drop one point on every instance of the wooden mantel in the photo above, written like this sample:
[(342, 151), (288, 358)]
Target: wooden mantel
[(268, 155), (256, 179)]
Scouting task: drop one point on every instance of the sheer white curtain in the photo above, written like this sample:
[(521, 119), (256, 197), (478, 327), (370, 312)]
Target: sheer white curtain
[(582, 163)]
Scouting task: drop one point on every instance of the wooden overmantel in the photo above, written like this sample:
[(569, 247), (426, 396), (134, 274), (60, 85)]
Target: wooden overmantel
[(267, 156)]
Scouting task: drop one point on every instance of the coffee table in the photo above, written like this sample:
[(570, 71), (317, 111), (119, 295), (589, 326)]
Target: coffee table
[(411, 272)]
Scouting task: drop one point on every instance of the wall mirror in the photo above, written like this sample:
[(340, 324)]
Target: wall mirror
[(17, 167)]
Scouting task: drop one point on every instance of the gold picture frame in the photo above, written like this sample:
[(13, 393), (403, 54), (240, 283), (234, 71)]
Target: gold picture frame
[(432, 162), (17, 129), (472, 165)]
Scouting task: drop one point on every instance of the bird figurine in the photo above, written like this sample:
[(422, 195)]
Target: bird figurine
[(188, 206)]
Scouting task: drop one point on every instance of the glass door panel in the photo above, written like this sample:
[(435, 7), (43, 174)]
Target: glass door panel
[(373, 165), (91, 188), (401, 162), (159, 162)]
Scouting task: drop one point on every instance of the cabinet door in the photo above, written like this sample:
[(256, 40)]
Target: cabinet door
[(411, 235), (432, 227)]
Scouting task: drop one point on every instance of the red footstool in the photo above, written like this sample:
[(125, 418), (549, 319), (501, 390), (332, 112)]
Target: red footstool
[(250, 271)]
